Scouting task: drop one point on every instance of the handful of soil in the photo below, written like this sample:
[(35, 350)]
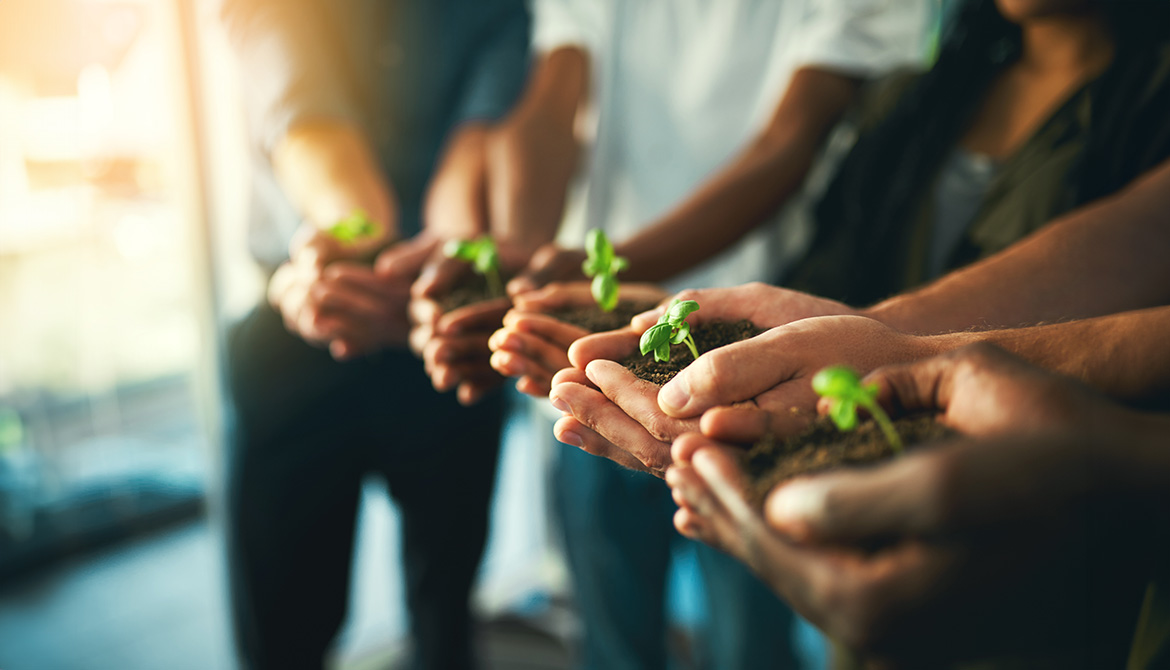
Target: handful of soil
[(822, 446), (591, 318), (471, 289), (709, 335)]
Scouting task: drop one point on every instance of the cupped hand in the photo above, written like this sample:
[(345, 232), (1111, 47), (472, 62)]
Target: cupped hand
[(764, 305), (775, 369), (345, 305), (923, 561), (534, 346)]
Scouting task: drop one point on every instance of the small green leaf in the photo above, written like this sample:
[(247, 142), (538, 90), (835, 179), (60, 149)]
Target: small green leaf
[(487, 259), (682, 332), (460, 249), (662, 353), (353, 227), (844, 414), (836, 381), (680, 310), (605, 292), (654, 337), (619, 264)]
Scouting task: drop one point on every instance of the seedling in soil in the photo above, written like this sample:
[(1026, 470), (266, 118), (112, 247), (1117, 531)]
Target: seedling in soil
[(846, 392), (672, 328), (484, 258), (603, 265), (357, 226)]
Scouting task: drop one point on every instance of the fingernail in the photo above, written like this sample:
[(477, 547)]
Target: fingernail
[(674, 396), (792, 506), (560, 404), (513, 343), (571, 438)]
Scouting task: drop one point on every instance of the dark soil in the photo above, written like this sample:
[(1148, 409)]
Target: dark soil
[(708, 336), (823, 447), (592, 319), (472, 288)]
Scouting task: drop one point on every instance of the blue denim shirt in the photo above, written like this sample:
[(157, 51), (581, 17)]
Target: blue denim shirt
[(408, 71)]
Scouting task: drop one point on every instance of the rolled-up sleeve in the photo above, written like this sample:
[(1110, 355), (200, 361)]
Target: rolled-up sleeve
[(288, 65), (865, 37), (565, 23), (500, 67)]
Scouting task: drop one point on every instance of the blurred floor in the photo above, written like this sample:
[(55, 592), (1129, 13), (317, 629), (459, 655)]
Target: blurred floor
[(156, 602), (159, 603)]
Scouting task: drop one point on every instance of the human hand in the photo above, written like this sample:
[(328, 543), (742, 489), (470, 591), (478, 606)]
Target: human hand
[(771, 371), (454, 344), (941, 555), (346, 305), (534, 346), (550, 263)]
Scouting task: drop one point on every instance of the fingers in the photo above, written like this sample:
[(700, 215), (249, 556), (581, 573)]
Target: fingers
[(594, 410), (550, 263), (553, 296), (572, 432), (725, 376), (404, 261), (637, 399), (516, 353), (439, 275), (747, 425), (614, 346), (486, 317), (557, 333)]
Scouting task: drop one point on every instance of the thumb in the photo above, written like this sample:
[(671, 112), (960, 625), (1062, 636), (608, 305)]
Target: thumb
[(405, 260), (311, 247), (547, 265), (438, 276), (728, 375), (852, 506)]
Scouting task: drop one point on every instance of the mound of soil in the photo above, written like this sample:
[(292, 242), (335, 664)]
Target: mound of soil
[(708, 336), (592, 319), (823, 447), (472, 288)]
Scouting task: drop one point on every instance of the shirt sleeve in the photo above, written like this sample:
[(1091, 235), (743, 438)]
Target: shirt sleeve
[(865, 37), (500, 68), (289, 65), (564, 23)]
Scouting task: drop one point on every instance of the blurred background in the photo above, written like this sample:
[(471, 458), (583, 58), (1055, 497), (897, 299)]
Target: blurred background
[(123, 187)]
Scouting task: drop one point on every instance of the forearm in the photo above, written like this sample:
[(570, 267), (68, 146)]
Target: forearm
[(540, 135), (1106, 257), (328, 169), (1121, 355), (751, 188)]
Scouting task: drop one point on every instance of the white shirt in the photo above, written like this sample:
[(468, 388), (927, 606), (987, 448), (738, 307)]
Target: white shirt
[(681, 86)]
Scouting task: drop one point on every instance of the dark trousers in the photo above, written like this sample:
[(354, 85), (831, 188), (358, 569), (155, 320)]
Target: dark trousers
[(304, 431), (618, 540)]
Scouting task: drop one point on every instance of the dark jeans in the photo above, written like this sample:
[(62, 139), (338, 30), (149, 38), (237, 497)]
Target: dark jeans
[(305, 430), (618, 539)]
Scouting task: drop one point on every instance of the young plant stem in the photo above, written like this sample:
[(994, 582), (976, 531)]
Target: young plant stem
[(495, 284), (883, 421)]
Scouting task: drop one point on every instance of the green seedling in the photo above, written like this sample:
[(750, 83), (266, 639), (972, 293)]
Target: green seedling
[(484, 258), (672, 328), (357, 226), (603, 265), (846, 392)]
